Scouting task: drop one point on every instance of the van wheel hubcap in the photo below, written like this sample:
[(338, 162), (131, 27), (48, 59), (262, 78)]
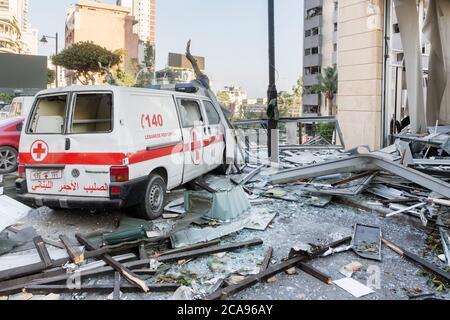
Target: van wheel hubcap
[(8, 159), (155, 197)]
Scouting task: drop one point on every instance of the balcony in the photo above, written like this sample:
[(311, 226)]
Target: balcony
[(396, 42), (312, 41), (312, 60), (334, 58), (310, 80), (425, 61), (312, 4), (313, 22), (311, 99)]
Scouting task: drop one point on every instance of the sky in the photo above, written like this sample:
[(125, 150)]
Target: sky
[(231, 34)]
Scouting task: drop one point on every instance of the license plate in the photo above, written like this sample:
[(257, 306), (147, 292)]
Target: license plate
[(46, 175)]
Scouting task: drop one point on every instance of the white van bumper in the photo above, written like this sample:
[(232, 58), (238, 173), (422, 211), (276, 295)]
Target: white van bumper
[(132, 193), (67, 202)]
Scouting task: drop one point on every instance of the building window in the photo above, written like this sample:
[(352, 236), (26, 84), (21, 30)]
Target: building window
[(400, 57), (307, 89), (335, 27), (312, 70), (315, 50), (307, 33), (315, 31), (310, 109), (307, 52), (311, 13), (334, 47), (396, 28)]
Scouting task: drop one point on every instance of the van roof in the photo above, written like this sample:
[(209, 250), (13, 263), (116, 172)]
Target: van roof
[(118, 89)]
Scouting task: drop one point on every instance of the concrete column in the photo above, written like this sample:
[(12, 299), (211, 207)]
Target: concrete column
[(291, 132), (360, 70)]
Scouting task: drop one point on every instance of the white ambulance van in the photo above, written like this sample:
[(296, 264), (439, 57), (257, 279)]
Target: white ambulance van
[(116, 147)]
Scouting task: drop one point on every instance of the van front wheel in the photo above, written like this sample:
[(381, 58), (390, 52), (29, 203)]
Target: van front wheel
[(152, 206)]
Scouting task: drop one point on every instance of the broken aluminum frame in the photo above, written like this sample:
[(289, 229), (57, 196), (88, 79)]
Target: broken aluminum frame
[(349, 191), (249, 176), (445, 239), (263, 123), (363, 235), (362, 162)]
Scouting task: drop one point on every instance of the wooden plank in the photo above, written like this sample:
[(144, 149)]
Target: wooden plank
[(188, 248), (267, 257), (75, 254), (18, 284), (54, 243), (124, 271), (42, 251), (315, 273), (201, 252), (270, 272), (116, 292), (40, 266), (443, 275), (125, 287)]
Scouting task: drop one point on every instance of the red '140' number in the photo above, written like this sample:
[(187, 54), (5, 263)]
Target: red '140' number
[(149, 121)]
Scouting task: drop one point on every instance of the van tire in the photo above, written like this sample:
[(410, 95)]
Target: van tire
[(152, 206), (9, 160)]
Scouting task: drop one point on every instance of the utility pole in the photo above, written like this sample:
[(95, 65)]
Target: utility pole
[(45, 41), (272, 93)]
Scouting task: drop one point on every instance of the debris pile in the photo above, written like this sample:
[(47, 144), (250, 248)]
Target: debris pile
[(193, 251)]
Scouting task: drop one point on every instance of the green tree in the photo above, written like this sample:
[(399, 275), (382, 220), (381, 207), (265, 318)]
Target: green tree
[(51, 76), (145, 75), (223, 97), (286, 102), (6, 97), (123, 78), (87, 59), (328, 81), (326, 130)]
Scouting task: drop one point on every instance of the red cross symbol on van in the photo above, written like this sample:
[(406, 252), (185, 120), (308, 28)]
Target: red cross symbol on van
[(196, 147), (39, 150)]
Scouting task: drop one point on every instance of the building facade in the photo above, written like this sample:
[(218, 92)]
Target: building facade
[(235, 99), (257, 107), (143, 12), (15, 34), (373, 87), (178, 69), (320, 49), (113, 30)]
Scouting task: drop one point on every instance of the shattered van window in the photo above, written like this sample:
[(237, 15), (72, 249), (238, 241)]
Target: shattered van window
[(211, 113), (190, 112), (48, 116), (92, 113)]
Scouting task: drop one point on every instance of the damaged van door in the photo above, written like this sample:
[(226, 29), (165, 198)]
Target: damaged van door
[(69, 137)]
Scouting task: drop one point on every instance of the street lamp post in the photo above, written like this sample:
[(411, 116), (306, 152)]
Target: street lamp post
[(272, 123), (44, 40)]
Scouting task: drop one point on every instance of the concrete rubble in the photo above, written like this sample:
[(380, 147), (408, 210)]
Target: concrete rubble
[(324, 223)]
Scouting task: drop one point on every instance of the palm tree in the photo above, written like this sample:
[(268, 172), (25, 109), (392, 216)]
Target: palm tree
[(328, 81)]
